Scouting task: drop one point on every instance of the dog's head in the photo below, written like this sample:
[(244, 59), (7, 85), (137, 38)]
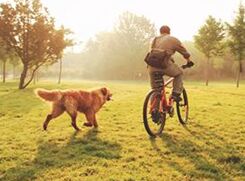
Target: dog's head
[(106, 92)]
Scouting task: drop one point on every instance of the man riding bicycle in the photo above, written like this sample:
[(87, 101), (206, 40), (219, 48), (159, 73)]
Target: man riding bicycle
[(162, 48)]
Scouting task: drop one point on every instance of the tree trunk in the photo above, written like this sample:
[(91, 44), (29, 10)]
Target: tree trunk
[(23, 77), (4, 71), (239, 73), (59, 81), (238, 79), (207, 71), (37, 76), (14, 71), (32, 76)]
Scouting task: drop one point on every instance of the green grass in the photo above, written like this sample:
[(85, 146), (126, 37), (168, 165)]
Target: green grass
[(211, 147)]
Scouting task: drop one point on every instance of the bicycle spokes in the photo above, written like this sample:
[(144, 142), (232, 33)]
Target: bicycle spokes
[(154, 118), (183, 108), (156, 109)]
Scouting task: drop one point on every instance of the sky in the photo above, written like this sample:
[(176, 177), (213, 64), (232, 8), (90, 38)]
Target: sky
[(88, 17)]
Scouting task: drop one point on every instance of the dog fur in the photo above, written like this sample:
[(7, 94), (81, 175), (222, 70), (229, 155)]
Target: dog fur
[(73, 101)]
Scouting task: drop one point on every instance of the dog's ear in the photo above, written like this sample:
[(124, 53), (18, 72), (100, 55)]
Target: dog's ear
[(104, 91)]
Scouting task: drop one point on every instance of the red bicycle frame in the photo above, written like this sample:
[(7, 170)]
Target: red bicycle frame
[(166, 104)]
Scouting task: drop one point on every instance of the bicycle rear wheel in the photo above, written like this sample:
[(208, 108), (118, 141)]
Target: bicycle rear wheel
[(183, 108), (153, 128)]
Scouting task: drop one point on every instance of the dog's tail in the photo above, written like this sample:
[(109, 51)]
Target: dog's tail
[(48, 95)]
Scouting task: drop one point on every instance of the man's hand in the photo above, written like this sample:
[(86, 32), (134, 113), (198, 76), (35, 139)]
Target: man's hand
[(188, 64)]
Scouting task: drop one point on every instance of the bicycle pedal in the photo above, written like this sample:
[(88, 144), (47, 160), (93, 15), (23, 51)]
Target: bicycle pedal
[(171, 112)]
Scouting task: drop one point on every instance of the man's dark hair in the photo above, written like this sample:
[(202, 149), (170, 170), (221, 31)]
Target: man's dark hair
[(165, 29)]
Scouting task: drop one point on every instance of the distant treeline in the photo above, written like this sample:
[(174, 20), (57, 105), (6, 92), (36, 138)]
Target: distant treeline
[(218, 50), (76, 66), (119, 54)]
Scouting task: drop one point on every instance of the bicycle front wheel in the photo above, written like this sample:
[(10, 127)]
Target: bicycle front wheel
[(153, 127), (183, 108)]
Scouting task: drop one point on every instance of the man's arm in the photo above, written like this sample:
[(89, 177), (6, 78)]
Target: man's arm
[(152, 44), (182, 50)]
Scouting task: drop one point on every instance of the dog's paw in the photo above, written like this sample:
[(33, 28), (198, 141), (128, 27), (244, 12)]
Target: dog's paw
[(88, 124)]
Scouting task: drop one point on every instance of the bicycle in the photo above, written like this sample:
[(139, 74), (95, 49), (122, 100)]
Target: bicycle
[(166, 107)]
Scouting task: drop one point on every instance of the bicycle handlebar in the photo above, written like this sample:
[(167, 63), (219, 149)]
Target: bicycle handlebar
[(188, 65)]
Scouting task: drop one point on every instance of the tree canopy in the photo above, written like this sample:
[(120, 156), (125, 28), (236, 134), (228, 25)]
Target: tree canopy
[(209, 41), (236, 41), (27, 28), (122, 50), (209, 38)]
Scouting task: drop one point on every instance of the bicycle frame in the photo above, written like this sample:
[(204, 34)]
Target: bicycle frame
[(165, 103)]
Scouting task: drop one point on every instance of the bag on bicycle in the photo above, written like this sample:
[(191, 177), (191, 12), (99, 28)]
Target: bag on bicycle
[(156, 58)]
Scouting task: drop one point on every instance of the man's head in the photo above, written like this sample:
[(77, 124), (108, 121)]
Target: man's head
[(165, 29)]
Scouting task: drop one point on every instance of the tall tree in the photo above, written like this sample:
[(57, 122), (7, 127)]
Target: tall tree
[(120, 52), (6, 55), (27, 28), (134, 34), (209, 41), (14, 61), (236, 40), (61, 35), (3, 58)]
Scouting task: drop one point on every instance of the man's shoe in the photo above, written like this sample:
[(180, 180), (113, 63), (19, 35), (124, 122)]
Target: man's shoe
[(155, 115), (176, 97)]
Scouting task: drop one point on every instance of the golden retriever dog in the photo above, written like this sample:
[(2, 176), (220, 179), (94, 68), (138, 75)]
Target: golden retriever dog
[(73, 101)]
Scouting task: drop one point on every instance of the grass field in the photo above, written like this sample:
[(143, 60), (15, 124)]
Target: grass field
[(211, 147)]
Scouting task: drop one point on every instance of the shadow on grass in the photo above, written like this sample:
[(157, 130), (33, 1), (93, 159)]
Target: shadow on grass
[(213, 158), (186, 149), (221, 147), (82, 152)]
